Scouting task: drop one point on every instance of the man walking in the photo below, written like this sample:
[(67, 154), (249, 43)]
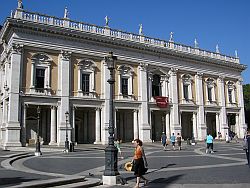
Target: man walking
[(172, 139), (209, 141), (164, 140)]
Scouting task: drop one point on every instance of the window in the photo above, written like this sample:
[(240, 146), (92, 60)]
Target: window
[(187, 95), (40, 75), (231, 92), (125, 86), (86, 78), (230, 99), (209, 93), (125, 82), (185, 91), (156, 85), (85, 83)]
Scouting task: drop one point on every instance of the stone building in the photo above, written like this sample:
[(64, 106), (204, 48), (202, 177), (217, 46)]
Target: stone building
[(161, 86)]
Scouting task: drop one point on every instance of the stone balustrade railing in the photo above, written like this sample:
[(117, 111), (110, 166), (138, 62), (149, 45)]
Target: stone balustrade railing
[(61, 22)]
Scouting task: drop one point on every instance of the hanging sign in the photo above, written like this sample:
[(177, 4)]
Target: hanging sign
[(161, 102)]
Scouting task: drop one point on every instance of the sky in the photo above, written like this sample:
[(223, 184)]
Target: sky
[(211, 22)]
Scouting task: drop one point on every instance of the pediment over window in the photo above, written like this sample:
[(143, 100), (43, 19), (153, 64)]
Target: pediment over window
[(41, 58), (210, 82), (187, 79), (230, 85), (86, 64), (126, 70), (159, 71)]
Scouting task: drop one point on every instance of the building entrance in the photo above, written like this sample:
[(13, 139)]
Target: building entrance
[(158, 124), (211, 124), (85, 126), (124, 125), (187, 125)]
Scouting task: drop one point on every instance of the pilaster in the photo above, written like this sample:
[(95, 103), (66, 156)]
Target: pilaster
[(242, 124), (201, 126), (65, 72), (144, 127), (174, 110), (222, 103), (13, 120)]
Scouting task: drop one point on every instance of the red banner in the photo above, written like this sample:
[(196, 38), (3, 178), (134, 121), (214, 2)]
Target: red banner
[(161, 102)]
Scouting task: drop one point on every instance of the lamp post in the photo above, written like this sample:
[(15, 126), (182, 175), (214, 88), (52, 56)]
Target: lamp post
[(38, 148), (67, 139), (111, 151)]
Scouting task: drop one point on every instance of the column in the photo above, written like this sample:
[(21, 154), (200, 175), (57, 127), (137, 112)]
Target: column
[(65, 69), (74, 124), (150, 79), (97, 126), (32, 83), (144, 127), (115, 123), (135, 116), (53, 125), (23, 128), (174, 110), (13, 128), (105, 96), (218, 129), (201, 126), (242, 124), (168, 132), (237, 127), (195, 125), (180, 116), (222, 103)]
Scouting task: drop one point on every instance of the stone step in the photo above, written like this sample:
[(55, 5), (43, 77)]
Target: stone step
[(51, 182), (88, 182)]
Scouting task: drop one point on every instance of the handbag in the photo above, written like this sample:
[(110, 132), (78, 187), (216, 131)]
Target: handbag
[(245, 144), (129, 166)]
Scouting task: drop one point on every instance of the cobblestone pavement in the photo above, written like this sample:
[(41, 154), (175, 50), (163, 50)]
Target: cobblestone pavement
[(190, 167)]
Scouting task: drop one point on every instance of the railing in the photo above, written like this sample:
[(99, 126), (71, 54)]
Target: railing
[(81, 26)]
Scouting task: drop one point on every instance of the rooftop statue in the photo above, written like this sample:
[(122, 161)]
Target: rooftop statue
[(171, 39), (20, 4), (140, 29), (217, 49), (196, 44), (107, 20), (66, 13)]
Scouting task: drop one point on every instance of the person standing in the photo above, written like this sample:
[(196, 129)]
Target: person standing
[(164, 140), (172, 140), (118, 146), (178, 138), (246, 146), (139, 159), (227, 138), (209, 141)]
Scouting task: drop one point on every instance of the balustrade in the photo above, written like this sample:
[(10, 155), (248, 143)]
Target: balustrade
[(45, 19)]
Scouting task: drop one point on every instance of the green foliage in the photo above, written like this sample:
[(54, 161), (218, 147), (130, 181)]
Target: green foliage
[(246, 93)]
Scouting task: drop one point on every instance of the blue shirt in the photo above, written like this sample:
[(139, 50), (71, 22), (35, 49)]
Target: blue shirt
[(209, 139), (172, 138)]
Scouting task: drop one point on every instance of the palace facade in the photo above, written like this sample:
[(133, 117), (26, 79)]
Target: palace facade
[(161, 86)]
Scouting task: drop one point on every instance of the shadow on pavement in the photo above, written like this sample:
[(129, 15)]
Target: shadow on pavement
[(168, 180), (13, 181)]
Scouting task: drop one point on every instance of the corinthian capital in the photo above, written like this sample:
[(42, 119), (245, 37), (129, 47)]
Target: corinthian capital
[(17, 48), (65, 55), (143, 66), (173, 71)]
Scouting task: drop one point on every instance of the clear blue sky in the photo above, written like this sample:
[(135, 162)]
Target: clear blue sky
[(222, 22)]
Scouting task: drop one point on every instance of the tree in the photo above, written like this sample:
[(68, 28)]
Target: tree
[(246, 94)]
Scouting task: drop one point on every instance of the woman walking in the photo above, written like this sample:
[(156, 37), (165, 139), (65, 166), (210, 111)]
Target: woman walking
[(139, 159)]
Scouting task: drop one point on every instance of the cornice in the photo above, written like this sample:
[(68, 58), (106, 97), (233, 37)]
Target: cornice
[(69, 34)]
